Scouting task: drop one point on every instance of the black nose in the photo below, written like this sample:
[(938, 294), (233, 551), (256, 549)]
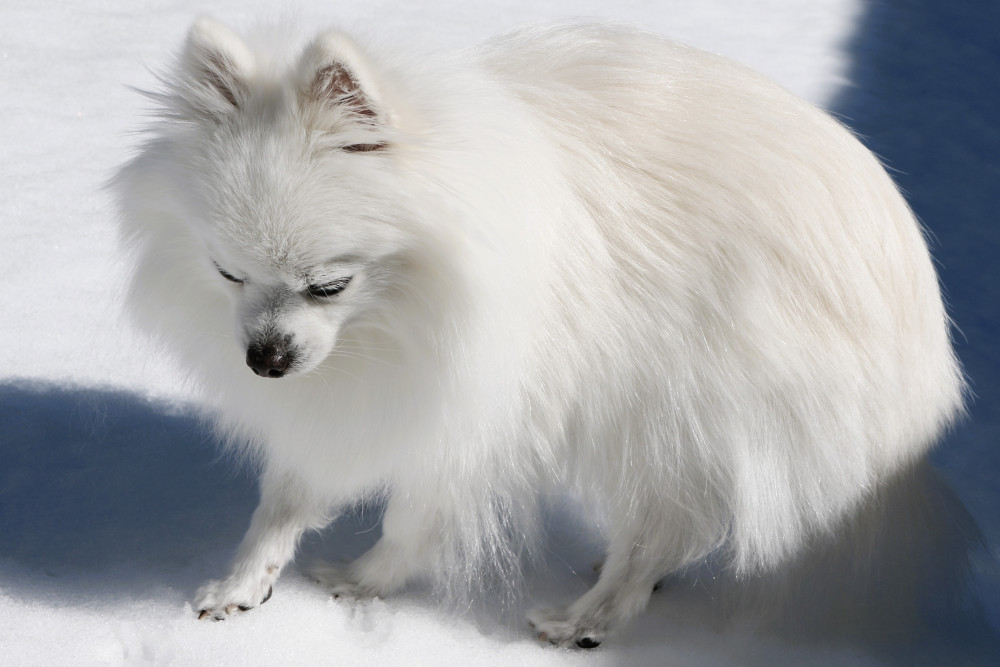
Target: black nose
[(270, 360)]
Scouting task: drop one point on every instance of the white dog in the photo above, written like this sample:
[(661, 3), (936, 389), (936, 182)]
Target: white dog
[(578, 256)]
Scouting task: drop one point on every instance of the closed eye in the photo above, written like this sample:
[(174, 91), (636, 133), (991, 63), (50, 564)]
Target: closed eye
[(363, 148), (329, 289), (228, 276)]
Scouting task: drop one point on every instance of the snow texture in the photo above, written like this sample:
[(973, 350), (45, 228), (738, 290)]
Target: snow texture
[(114, 501)]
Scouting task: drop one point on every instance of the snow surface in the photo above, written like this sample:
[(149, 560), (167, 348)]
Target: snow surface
[(114, 504)]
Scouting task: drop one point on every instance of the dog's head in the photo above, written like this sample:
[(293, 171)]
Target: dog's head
[(289, 168)]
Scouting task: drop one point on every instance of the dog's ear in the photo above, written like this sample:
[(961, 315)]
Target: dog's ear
[(216, 68), (335, 73)]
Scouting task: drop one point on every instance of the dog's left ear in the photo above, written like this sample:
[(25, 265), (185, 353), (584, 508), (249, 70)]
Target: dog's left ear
[(334, 72), (216, 66)]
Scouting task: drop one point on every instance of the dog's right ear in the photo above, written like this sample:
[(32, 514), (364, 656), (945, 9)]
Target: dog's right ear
[(216, 67), (335, 73)]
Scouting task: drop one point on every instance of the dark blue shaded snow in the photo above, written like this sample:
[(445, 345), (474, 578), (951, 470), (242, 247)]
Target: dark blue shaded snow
[(925, 97), (93, 480)]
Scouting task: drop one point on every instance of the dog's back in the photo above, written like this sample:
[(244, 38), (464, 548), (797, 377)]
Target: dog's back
[(769, 339)]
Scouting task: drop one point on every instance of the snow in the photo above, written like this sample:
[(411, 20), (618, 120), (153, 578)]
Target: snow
[(114, 503)]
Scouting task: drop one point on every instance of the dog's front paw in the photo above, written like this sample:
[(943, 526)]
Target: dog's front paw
[(559, 628), (339, 581), (220, 599)]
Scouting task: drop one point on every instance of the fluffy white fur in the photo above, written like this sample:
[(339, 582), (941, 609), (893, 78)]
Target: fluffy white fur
[(580, 257)]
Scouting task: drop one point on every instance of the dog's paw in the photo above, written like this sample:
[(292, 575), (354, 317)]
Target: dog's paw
[(220, 599), (339, 581), (559, 628)]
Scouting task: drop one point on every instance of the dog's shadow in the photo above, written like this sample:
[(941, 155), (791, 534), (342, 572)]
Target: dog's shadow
[(95, 480), (102, 486)]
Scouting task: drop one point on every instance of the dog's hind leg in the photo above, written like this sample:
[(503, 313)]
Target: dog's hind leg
[(285, 511), (639, 555)]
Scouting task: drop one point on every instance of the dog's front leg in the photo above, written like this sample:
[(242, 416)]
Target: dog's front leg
[(285, 511), (411, 538)]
